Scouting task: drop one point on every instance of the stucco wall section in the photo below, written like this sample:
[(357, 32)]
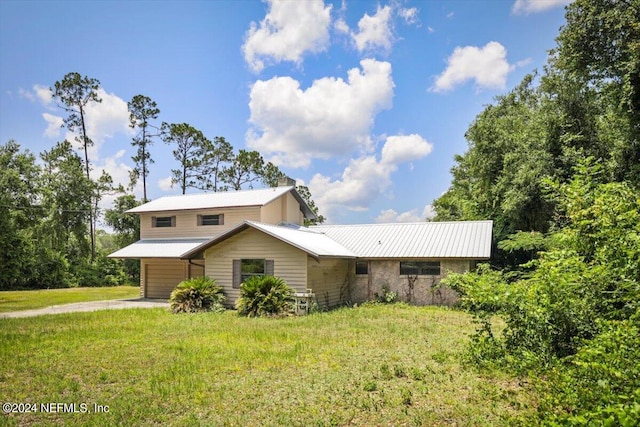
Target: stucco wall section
[(423, 290)]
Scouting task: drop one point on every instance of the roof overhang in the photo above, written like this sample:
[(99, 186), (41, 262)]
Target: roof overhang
[(158, 248)]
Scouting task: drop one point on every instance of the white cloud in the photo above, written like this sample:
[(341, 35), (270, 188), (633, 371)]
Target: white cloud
[(54, 125), (43, 93), (410, 15), (287, 32), (332, 117), (486, 65), (525, 7), (119, 171), (401, 148), (165, 184), (391, 216), (366, 178), (374, 32)]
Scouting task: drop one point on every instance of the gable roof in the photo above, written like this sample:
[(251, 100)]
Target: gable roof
[(222, 199), (459, 239), (313, 243)]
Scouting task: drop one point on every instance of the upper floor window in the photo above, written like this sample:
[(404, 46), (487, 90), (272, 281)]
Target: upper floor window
[(211, 219), (420, 268), (163, 221)]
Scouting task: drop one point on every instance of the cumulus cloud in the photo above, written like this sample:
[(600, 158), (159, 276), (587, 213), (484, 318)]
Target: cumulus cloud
[(525, 7), (391, 216), (486, 65), (332, 117), (287, 32), (165, 184), (54, 125), (366, 178), (374, 32), (119, 171)]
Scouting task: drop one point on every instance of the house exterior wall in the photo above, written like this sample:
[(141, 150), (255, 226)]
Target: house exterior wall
[(289, 263), (420, 291), (328, 278), (187, 222), (285, 208)]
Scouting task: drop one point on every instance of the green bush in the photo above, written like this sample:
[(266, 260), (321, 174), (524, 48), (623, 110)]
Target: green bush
[(197, 294), (262, 296)]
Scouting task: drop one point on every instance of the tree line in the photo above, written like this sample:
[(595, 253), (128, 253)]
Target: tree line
[(50, 203), (555, 163)]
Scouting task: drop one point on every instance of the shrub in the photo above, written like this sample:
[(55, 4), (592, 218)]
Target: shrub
[(262, 296), (197, 294), (387, 296)]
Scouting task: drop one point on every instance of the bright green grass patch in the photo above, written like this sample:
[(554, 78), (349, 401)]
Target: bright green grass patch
[(380, 365), (27, 300)]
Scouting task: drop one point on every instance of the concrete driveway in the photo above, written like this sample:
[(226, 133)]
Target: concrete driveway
[(89, 306)]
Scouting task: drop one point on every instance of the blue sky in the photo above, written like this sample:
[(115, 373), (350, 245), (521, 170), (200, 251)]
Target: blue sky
[(364, 102)]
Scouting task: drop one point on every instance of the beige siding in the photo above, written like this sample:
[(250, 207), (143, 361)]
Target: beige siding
[(285, 208), (187, 223), (290, 263), (160, 277), (328, 279), (423, 291)]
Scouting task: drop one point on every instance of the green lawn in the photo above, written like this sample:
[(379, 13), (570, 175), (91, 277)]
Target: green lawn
[(27, 300), (374, 365)]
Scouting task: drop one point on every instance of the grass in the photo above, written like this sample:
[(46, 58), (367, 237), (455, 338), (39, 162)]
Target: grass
[(366, 366), (27, 300)]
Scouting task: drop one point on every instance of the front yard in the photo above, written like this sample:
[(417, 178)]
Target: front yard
[(28, 300), (372, 365)]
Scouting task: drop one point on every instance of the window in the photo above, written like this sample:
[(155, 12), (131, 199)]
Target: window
[(420, 268), (362, 267), (246, 268), (211, 219), (163, 221)]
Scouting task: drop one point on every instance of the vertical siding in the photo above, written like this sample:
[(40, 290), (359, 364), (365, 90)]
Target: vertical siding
[(160, 276), (328, 279), (187, 222), (290, 264)]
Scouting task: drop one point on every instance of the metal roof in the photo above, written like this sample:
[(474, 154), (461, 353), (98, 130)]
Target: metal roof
[(221, 199), (158, 248), (460, 239), (314, 243)]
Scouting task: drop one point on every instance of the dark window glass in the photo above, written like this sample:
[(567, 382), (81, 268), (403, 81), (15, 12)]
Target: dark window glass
[(251, 267), (362, 267), (211, 220), (164, 221), (420, 268)]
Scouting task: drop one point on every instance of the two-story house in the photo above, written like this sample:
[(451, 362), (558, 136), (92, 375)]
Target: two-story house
[(230, 236)]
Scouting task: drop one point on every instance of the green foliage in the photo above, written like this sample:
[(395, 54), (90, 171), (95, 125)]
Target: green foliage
[(263, 296), (142, 109), (600, 384), (197, 294), (387, 296)]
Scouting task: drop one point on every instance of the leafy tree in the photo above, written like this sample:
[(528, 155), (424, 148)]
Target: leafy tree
[(246, 167), (73, 94), (141, 110), (304, 192), (191, 147), (216, 157), (600, 47), (127, 230), (18, 214)]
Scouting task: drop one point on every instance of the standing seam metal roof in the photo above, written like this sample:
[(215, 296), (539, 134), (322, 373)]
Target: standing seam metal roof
[(222, 199), (462, 239)]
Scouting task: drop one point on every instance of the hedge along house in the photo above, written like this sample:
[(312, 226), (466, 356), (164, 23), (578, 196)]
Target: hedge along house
[(232, 236)]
